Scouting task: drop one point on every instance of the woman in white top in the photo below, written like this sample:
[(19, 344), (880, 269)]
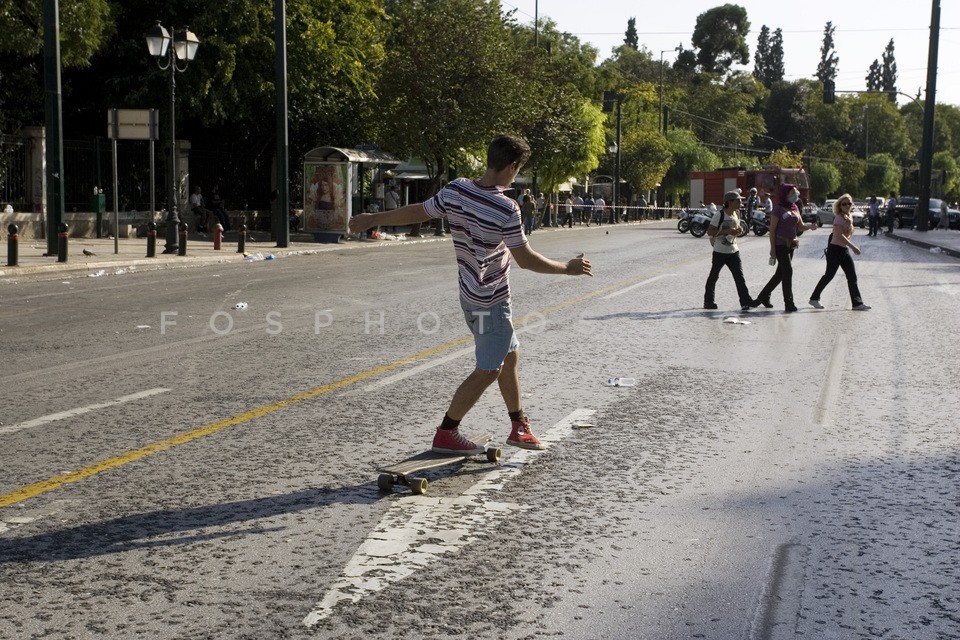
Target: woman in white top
[(838, 254)]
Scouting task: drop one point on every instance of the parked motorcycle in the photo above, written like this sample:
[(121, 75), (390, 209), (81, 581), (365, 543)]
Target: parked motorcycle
[(760, 222), (700, 222), (683, 224)]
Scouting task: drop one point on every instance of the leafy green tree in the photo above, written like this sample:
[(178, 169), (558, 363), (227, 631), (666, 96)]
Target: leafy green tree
[(645, 158), (631, 39), (567, 138), (851, 167), (888, 76), (722, 114), (688, 155), (761, 56), (945, 163), (783, 157), (768, 58), (874, 76), (882, 175), (453, 83), (85, 28), (827, 69), (720, 38), (824, 180), (775, 69), (878, 128)]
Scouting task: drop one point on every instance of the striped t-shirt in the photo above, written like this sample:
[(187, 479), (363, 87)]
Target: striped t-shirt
[(484, 224)]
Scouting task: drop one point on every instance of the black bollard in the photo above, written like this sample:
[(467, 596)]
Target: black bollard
[(13, 245), (242, 241), (152, 240), (182, 250), (62, 243)]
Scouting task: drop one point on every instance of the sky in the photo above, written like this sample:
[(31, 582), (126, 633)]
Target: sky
[(863, 29)]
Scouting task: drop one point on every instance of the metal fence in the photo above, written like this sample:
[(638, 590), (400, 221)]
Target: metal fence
[(244, 179), (13, 173)]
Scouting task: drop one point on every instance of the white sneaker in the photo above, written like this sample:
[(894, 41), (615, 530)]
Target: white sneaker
[(815, 304), (861, 307)]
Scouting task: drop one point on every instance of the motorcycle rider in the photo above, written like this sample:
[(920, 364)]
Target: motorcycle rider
[(753, 201)]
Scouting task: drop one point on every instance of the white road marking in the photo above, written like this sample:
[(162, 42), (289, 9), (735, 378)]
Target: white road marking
[(946, 287), (831, 385), (639, 284), (416, 530), (79, 411)]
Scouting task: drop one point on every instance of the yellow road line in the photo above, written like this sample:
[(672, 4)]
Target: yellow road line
[(45, 486)]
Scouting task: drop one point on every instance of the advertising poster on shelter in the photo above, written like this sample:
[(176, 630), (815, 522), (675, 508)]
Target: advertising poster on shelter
[(326, 205)]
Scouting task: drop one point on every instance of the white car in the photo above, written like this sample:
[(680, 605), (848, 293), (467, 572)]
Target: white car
[(825, 214)]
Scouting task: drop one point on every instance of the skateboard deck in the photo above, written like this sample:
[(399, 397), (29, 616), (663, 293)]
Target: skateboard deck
[(401, 472)]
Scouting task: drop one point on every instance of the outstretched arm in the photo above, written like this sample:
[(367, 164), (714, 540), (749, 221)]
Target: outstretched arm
[(410, 214), (527, 258)]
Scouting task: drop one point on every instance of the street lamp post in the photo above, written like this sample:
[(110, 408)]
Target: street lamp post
[(660, 91), (184, 48)]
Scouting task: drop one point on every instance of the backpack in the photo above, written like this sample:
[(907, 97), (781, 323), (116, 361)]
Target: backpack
[(713, 239)]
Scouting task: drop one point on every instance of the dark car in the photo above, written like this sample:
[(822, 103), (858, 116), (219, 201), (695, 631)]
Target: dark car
[(905, 213)]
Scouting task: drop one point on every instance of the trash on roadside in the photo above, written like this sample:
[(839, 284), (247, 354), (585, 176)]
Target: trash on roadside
[(97, 274), (119, 272), (733, 320), (271, 257), (934, 249), (621, 382), (143, 326), (240, 305), (582, 424), (252, 257)]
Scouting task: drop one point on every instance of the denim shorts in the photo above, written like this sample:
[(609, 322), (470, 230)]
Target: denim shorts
[(493, 332)]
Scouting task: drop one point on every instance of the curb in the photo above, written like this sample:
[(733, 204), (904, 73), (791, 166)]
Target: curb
[(925, 245)]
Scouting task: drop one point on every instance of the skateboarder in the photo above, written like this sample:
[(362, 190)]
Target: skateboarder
[(487, 232)]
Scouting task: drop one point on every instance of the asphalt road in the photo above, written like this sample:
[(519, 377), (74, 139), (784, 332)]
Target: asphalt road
[(174, 467)]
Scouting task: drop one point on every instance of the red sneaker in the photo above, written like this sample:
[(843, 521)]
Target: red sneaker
[(450, 441), (521, 436)]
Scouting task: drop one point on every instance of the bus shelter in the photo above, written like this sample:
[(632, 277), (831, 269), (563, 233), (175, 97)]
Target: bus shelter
[(333, 187)]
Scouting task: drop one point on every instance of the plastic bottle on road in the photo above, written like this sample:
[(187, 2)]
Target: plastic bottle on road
[(621, 382)]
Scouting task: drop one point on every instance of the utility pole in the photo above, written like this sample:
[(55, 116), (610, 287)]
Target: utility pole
[(54, 123), (929, 109), (281, 217)]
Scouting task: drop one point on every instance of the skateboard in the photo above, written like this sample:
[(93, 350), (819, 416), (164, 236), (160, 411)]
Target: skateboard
[(401, 472)]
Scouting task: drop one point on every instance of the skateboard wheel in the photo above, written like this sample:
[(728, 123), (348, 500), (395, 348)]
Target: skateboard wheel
[(494, 453), (418, 485), (385, 482)]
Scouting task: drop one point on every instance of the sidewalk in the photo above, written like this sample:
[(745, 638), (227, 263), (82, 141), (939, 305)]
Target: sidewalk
[(130, 254), (947, 241)]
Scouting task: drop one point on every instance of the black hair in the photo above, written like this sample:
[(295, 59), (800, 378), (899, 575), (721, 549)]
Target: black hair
[(504, 150)]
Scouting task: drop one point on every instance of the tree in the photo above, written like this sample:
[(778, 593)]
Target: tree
[(888, 76), (722, 114), (688, 155), (720, 37), (824, 179), (630, 38), (882, 175), (827, 69), (783, 157), (851, 167), (85, 28), (452, 83), (761, 57), (775, 67), (874, 76), (944, 163), (768, 67)]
